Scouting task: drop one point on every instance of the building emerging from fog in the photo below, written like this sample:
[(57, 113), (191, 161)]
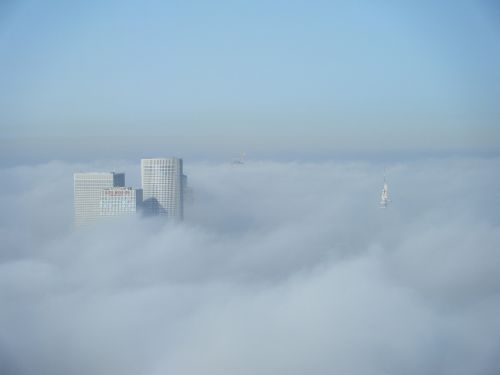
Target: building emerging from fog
[(162, 185), (105, 195), (88, 188), (119, 201)]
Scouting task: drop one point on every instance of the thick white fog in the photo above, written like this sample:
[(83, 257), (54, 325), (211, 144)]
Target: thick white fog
[(279, 268)]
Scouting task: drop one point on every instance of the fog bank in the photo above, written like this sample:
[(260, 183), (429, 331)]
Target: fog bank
[(279, 268)]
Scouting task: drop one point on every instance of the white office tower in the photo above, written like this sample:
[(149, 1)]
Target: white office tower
[(87, 189), (118, 201), (162, 187)]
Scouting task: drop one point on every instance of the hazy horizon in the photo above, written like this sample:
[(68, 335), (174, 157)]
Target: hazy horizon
[(40, 150)]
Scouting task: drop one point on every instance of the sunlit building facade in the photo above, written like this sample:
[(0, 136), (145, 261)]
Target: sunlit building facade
[(88, 188), (162, 187), (119, 201)]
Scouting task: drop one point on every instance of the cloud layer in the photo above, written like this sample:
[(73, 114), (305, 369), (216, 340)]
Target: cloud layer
[(279, 268)]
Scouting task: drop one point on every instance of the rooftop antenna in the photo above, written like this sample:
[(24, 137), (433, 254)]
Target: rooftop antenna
[(384, 196), (240, 160)]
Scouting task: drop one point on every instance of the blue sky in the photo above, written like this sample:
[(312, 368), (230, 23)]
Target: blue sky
[(355, 75)]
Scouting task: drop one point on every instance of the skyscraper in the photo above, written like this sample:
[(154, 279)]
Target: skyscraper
[(119, 201), (87, 190), (162, 187)]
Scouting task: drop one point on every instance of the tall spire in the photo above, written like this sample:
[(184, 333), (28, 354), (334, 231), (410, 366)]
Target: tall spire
[(384, 196)]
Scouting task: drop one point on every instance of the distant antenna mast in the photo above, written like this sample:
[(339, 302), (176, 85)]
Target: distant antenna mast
[(384, 196), (240, 160)]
